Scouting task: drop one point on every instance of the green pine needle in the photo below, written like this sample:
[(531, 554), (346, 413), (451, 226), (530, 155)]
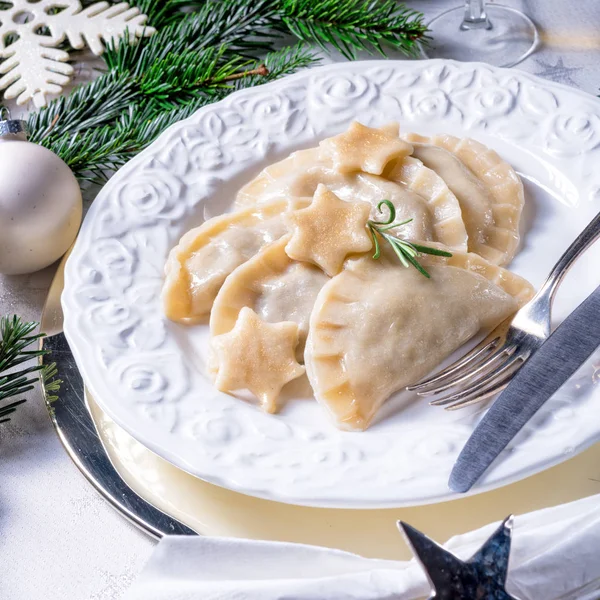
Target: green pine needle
[(353, 25), (245, 26), (16, 339), (165, 12), (178, 79), (280, 63), (90, 105)]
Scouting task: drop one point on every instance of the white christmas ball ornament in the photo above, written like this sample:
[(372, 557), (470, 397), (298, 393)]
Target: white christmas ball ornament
[(40, 203)]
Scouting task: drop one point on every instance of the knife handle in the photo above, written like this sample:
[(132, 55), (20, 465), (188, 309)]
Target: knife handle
[(583, 241)]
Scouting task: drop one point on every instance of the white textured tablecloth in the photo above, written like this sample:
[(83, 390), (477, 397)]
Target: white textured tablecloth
[(58, 539)]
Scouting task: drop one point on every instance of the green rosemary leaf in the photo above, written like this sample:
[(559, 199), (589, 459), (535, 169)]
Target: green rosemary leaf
[(400, 254), (415, 263), (375, 242), (407, 247), (389, 224), (392, 210), (407, 252), (433, 251)]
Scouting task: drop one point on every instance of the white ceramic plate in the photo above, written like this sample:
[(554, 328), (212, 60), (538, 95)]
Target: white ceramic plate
[(148, 374)]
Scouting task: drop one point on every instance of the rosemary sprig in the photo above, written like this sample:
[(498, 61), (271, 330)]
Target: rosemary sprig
[(407, 252)]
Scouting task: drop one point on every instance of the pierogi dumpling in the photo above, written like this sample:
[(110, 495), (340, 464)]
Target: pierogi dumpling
[(359, 149), (275, 287), (419, 179), (377, 327), (489, 191), (290, 277), (260, 189), (197, 267), (434, 218)]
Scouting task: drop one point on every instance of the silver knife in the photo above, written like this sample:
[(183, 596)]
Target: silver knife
[(567, 348)]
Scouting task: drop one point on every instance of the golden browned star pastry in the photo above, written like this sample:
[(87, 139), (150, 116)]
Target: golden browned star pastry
[(364, 148), (328, 230), (257, 356)]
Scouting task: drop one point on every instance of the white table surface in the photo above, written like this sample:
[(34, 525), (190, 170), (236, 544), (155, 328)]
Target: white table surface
[(58, 539)]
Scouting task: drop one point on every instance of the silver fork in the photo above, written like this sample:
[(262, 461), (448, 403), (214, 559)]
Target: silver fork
[(488, 368)]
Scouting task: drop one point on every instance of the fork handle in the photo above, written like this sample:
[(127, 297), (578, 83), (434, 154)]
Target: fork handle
[(583, 241)]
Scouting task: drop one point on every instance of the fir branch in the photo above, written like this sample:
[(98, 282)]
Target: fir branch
[(243, 25), (347, 25), (166, 12), (16, 339), (104, 100), (351, 25), (198, 58), (93, 152), (90, 105), (183, 77), (281, 63)]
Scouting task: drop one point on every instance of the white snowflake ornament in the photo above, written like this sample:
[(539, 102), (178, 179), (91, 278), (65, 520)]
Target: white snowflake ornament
[(33, 66)]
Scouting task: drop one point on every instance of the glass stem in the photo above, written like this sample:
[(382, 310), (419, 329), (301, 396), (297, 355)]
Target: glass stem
[(475, 16)]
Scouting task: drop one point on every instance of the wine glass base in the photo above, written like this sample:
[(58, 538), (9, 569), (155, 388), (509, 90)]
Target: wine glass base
[(511, 38)]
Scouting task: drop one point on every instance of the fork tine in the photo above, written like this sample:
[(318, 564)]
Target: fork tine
[(476, 355), (496, 388), (478, 373), (483, 386)]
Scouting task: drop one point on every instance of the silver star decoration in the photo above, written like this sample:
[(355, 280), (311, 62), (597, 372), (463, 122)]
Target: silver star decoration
[(482, 577), (558, 72)]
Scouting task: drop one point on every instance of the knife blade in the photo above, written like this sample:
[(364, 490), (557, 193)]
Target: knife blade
[(565, 350)]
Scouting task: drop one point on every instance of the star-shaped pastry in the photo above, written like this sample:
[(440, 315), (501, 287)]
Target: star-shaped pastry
[(482, 577), (328, 230), (364, 148), (257, 356)]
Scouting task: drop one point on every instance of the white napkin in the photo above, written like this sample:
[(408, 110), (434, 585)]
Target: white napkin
[(555, 556)]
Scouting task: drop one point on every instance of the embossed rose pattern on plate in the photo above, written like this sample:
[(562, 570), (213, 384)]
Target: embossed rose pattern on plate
[(148, 373)]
